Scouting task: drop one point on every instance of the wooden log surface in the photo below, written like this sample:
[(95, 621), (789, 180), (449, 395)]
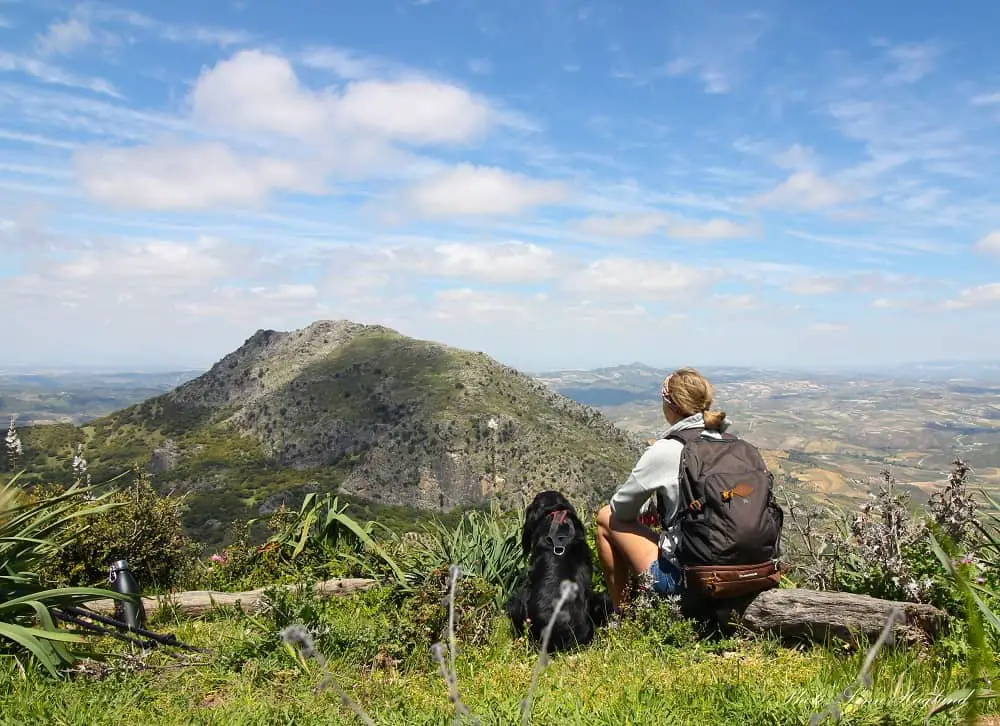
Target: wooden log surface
[(797, 613), (199, 602)]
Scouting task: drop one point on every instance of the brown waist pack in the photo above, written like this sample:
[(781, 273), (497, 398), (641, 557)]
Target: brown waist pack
[(720, 582)]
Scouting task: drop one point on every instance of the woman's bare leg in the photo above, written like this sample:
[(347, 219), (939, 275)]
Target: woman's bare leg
[(623, 547)]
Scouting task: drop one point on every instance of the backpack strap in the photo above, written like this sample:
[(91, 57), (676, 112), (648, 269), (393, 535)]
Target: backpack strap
[(684, 436)]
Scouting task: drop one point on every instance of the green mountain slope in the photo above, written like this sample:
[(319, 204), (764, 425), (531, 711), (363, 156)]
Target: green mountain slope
[(377, 415)]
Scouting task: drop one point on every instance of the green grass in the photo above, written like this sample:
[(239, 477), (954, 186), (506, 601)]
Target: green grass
[(627, 676)]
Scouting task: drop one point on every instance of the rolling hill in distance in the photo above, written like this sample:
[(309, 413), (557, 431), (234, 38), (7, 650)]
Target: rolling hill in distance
[(362, 409), (392, 420)]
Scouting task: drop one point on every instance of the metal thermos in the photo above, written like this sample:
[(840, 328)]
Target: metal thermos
[(131, 613)]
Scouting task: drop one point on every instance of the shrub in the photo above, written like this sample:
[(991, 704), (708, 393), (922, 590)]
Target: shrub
[(144, 528)]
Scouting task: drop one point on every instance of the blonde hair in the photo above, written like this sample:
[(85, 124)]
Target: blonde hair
[(690, 392)]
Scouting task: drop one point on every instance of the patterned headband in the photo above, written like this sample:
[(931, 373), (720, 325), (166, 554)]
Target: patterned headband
[(666, 390)]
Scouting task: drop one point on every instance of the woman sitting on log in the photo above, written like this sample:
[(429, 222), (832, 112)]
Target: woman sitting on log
[(624, 544)]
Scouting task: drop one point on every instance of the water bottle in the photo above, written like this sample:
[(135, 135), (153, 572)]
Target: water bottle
[(131, 613)]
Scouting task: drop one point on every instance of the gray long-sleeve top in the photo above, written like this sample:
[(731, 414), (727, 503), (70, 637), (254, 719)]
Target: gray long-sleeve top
[(657, 468)]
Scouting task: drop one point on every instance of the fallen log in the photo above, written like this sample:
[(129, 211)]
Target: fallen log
[(819, 616), (199, 602), (790, 613)]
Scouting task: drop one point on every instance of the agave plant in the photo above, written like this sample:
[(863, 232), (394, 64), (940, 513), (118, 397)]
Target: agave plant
[(322, 526), (483, 544), (30, 533)]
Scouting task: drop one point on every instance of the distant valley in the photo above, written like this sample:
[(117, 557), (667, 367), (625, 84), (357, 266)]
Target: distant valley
[(830, 432), (59, 396)]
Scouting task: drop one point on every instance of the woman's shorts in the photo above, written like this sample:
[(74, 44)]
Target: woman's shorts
[(666, 577)]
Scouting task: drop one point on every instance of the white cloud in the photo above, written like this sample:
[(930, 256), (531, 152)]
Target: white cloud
[(714, 81), (625, 225), (146, 264), (152, 302), (114, 273), (5, 22), (824, 327), (816, 285), (510, 262), (805, 190), (468, 190), (990, 244), (637, 279), (466, 304), (644, 224), (710, 229), (287, 293), (363, 268), (66, 36), (188, 177), (48, 73), (884, 303), (742, 301), (417, 111), (260, 92), (973, 297)]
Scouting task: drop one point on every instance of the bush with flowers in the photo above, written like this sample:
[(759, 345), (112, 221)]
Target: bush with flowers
[(317, 541)]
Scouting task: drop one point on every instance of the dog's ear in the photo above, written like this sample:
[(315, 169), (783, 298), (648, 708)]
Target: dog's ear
[(532, 518)]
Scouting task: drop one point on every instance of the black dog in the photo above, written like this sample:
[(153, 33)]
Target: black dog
[(554, 538)]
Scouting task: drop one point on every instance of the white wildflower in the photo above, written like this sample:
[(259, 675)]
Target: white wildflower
[(80, 466), (14, 448)]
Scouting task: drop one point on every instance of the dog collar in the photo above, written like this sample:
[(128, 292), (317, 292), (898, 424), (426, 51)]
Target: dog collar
[(561, 532)]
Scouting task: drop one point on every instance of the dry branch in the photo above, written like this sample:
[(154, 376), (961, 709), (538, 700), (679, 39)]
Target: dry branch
[(199, 602)]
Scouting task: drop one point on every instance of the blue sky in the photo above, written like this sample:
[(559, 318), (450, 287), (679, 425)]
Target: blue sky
[(557, 183)]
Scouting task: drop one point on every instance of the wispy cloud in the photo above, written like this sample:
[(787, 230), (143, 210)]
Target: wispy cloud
[(990, 244), (974, 297), (349, 64), (986, 99), (481, 66), (806, 190), (172, 32), (48, 73), (75, 32), (912, 61)]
